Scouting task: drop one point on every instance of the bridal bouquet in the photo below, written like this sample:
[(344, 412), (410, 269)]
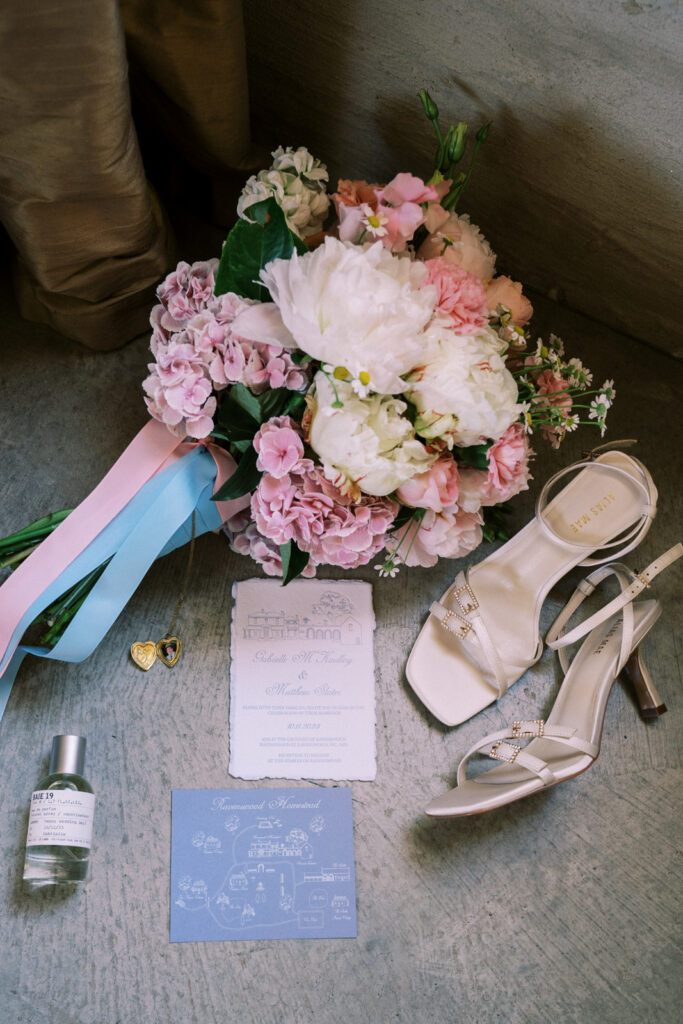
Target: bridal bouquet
[(351, 382), (375, 381)]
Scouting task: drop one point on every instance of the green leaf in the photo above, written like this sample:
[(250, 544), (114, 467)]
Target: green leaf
[(249, 246), (244, 444), (296, 404), (294, 561), (411, 409), (242, 396), (274, 402), (403, 517), (244, 480), (475, 455)]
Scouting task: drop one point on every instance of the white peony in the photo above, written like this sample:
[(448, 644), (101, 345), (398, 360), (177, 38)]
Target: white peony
[(360, 308), (463, 391), (296, 180), (367, 442)]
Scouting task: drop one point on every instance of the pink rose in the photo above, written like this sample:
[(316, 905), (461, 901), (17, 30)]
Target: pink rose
[(435, 217), (507, 474), (459, 295), (461, 242), (436, 489), (553, 388), (502, 291), (508, 462), (279, 446), (441, 535)]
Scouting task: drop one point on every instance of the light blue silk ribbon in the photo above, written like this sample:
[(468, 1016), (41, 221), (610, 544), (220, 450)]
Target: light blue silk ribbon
[(155, 521)]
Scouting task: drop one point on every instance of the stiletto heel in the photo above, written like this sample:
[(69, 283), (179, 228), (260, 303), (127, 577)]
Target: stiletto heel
[(650, 703), (569, 741)]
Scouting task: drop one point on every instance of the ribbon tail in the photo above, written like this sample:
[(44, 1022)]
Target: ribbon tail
[(167, 509)]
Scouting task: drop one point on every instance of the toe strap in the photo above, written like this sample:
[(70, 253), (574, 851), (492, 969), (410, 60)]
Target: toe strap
[(497, 746), (463, 620)]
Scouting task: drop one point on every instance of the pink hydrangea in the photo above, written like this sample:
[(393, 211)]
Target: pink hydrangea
[(186, 291), (197, 352), (187, 408), (245, 539), (436, 489), (447, 534), (459, 295), (279, 446), (305, 507), (227, 363)]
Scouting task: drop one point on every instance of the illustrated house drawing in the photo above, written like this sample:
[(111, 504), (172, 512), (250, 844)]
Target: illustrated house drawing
[(280, 626)]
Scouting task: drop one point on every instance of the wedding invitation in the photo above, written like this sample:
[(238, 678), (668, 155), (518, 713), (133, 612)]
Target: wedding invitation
[(302, 686), (262, 864)]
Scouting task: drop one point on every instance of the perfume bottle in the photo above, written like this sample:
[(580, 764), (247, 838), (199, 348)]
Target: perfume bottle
[(60, 823)]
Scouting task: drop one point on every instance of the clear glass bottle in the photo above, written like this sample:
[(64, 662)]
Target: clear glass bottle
[(60, 823)]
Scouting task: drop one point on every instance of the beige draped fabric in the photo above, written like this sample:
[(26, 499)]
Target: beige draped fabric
[(91, 238)]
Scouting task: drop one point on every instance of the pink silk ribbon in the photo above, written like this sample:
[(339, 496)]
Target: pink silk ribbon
[(150, 451)]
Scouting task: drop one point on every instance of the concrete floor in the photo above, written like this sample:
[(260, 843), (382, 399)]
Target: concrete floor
[(562, 908)]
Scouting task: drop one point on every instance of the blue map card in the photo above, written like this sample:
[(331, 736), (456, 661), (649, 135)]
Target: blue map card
[(262, 864)]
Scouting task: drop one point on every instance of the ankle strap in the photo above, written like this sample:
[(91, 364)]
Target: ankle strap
[(558, 639), (635, 534)]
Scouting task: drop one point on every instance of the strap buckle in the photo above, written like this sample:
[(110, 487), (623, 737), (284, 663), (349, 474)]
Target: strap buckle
[(528, 728), (504, 751)]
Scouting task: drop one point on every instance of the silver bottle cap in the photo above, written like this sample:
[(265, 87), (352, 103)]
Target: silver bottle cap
[(68, 755)]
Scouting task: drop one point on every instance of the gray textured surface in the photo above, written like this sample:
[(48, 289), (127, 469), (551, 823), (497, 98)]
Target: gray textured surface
[(579, 186), (562, 908)]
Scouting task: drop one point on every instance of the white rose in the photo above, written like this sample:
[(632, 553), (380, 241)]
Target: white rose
[(360, 308), (296, 181), (367, 441), (463, 391)]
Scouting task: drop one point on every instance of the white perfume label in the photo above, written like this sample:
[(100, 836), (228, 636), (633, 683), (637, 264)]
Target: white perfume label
[(60, 817)]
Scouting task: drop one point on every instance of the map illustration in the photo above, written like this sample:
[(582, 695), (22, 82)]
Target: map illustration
[(266, 863)]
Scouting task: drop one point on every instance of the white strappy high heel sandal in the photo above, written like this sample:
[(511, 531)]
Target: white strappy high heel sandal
[(569, 742), (484, 632)]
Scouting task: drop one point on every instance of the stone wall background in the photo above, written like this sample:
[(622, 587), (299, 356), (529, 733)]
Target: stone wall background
[(579, 185)]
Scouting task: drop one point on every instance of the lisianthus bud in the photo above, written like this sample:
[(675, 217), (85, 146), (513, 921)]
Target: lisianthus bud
[(456, 145), (430, 107)]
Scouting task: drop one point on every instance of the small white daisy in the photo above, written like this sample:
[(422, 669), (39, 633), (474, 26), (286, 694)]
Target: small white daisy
[(374, 221)]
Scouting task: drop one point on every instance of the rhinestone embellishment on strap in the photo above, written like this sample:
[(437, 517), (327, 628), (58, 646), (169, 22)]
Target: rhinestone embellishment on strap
[(468, 603), (528, 728), (460, 628), (503, 751)]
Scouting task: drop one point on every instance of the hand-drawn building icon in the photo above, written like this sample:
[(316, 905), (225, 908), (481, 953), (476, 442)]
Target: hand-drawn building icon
[(280, 626)]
